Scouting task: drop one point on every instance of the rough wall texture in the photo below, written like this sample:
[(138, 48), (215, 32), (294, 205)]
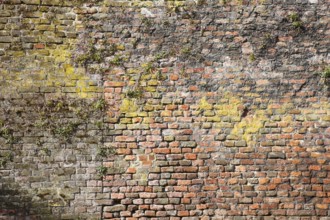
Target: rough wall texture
[(164, 110)]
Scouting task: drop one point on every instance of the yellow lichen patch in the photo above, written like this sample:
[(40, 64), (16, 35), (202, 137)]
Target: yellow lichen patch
[(69, 70), (128, 105), (325, 106), (172, 5), (147, 4), (229, 108), (133, 71), (250, 125), (150, 89), (120, 47), (284, 108), (61, 54), (288, 118), (57, 77), (204, 105)]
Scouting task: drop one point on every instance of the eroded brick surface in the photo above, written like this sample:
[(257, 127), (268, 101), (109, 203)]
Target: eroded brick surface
[(164, 110)]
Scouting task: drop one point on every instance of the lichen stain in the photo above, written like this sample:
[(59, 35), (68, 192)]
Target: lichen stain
[(57, 77), (249, 126), (61, 54), (128, 105), (204, 105), (230, 107)]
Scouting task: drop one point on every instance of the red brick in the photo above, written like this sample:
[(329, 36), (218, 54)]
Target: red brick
[(190, 156), (154, 138), (183, 213), (190, 195), (117, 195), (185, 201), (174, 77), (298, 137), (181, 188), (161, 150), (175, 150), (122, 151), (254, 206), (150, 213), (107, 215), (314, 167), (161, 213), (125, 213), (210, 188), (263, 181), (131, 170), (144, 207), (326, 200), (114, 84), (285, 38), (145, 195), (322, 206), (184, 182), (171, 107), (39, 46)]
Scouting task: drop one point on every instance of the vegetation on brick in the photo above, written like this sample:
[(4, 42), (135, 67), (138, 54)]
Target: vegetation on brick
[(164, 110)]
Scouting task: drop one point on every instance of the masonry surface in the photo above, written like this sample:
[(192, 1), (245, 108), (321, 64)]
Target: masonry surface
[(164, 109)]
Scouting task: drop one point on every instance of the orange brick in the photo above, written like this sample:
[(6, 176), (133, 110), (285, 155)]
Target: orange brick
[(123, 151), (321, 206), (161, 150), (255, 206), (263, 181), (314, 167), (131, 170), (298, 137), (210, 188), (174, 77), (184, 182), (39, 46), (190, 156), (183, 213)]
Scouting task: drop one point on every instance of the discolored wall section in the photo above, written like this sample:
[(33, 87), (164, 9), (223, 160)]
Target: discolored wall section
[(164, 110)]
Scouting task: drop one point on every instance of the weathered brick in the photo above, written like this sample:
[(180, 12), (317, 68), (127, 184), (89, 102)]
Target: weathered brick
[(115, 208), (276, 155), (258, 140)]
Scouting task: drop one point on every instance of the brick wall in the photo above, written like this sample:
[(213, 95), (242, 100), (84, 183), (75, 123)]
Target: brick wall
[(164, 110)]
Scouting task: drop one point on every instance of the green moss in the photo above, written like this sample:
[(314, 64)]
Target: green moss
[(186, 51), (99, 104), (105, 152), (102, 171), (65, 130), (117, 60), (8, 134), (161, 55), (294, 17), (137, 93), (147, 67), (252, 57), (326, 72), (297, 24), (5, 158)]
